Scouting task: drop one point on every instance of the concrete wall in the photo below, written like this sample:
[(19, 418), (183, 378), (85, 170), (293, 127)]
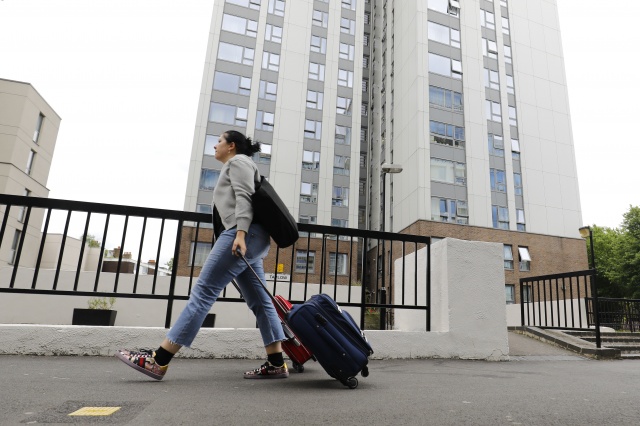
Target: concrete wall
[(469, 319)]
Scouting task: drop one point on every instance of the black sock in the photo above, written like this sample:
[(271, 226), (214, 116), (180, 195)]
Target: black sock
[(276, 359), (162, 356)]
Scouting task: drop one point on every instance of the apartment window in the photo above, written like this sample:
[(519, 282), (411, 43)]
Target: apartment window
[(447, 210), (30, 161), (526, 294), (210, 142), (345, 78), (270, 61), (363, 135), (503, 3), (276, 7), (14, 246), (448, 171), (341, 165), (347, 51), (305, 261), (513, 119), (268, 90), (340, 197), (264, 156), (310, 160), (228, 114), (23, 209), (320, 19), (498, 180), (505, 25), (517, 183), (362, 186), (343, 135), (492, 110), (507, 54), (443, 34), (489, 48), (238, 25), (318, 44), (314, 99), (367, 18), (316, 71), (313, 129), (508, 256), (231, 83), (363, 161), (341, 263), (253, 4), (308, 219), (273, 33), (500, 217), (491, 79), (510, 290), (36, 133), (445, 66), (201, 252), (487, 19), (365, 62), (233, 53), (365, 40), (347, 26), (265, 121), (496, 145), (450, 7), (525, 259), (445, 98), (446, 134), (349, 4), (520, 220), (515, 149), (510, 86), (343, 106), (365, 85), (208, 179), (204, 208), (309, 192)]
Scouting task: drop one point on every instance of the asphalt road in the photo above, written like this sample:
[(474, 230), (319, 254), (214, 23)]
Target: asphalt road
[(540, 386)]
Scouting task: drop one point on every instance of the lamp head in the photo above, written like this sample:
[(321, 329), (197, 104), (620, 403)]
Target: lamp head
[(585, 231), (391, 168)]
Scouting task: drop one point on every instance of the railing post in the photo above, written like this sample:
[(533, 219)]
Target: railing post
[(174, 273), (596, 308)]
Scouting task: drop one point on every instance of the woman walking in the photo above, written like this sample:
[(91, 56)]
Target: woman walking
[(232, 198)]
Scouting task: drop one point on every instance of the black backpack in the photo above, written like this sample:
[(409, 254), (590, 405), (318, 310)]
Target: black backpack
[(270, 212)]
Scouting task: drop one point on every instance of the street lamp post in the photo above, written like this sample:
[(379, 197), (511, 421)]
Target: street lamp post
[(585, 232), (385, 169)]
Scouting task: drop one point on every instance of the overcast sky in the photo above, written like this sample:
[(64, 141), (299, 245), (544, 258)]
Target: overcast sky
[(125, 77)]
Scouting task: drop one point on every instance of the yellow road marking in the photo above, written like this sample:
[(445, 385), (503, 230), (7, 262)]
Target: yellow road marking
[(95, 411)]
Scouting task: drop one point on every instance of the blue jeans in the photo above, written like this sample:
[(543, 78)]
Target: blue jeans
[(219, 269)]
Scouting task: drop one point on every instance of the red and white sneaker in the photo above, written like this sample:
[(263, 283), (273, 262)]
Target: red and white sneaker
[(143, 361), (268, 371)]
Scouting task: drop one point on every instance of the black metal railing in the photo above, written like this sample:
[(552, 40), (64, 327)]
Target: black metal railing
[(347, 257), (560, 301), (619, 314)]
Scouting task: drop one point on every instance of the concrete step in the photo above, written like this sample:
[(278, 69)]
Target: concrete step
[(629, 356), (625, 349)]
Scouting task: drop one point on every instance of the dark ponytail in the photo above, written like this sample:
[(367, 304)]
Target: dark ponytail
[(244, 145)]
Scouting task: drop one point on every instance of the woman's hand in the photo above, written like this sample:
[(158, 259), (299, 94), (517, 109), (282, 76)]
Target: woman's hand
[(239, 243)]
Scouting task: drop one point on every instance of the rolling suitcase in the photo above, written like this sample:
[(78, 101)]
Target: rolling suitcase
[(333, 336), (295, 350)]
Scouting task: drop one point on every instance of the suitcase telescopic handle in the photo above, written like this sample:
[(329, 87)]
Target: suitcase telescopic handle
[(287, 331)]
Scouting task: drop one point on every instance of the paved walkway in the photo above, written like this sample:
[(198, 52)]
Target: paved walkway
[(544, 385)]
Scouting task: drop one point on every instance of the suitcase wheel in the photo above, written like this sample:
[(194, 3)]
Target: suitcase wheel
[(365, 372), (352, 382), (298, 367)]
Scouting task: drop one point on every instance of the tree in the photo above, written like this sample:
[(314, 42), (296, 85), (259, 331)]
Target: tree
[(617, 252), (92, 241), (169, 264)]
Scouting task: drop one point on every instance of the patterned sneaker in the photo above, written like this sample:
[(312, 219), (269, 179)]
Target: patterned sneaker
[(268, 371), (143, 361)]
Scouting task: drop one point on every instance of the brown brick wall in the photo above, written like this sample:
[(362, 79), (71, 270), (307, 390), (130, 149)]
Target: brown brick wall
[(549, 254)]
